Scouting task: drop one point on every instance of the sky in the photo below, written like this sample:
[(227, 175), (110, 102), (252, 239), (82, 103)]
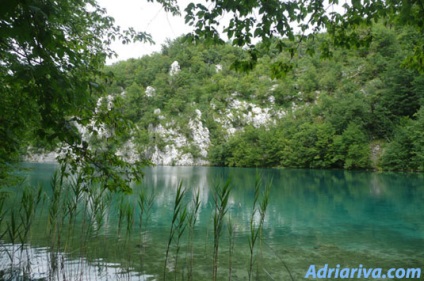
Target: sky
[(150, 17), (144, 16)]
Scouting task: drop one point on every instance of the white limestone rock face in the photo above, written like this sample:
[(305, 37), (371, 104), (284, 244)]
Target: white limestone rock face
[(49, 157), (201, 138), (150, 91), (191, 148), (175, 153), (175, 68), (103, 104), (240, 113), (169, 155), (129, 152)]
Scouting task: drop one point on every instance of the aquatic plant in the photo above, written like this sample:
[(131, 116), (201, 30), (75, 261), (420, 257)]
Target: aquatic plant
[(178, 225), (181, 226), (145, 202), (126, 212), (3, 197), (98, 199), (220, 196), (54, 208), (75, 194), (192, 219), (257, 225), (231, 231), (31, 197)]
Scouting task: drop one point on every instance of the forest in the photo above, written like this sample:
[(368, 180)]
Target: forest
[(328, 85), (350, 108)]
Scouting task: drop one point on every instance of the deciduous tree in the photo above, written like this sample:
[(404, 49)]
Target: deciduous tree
[(51, 59)]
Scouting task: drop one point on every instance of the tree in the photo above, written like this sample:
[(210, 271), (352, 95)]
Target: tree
[(348, 24), (351, 148), (51, 59), (406, 151)]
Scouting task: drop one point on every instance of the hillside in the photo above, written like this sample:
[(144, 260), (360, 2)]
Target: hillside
[(355, 109)]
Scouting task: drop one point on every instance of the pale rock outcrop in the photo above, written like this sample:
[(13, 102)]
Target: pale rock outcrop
[(174, 152), (129, 152), (175, 68), (239, 113), (150, 91), (170, 146), (49, 157)]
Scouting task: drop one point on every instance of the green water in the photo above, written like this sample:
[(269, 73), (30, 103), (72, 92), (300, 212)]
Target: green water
[(314, 217)]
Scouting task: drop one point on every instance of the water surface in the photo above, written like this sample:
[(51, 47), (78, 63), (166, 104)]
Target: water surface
[(314, 217)]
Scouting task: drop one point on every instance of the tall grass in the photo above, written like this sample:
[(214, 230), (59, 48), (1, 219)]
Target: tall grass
[(19, 225), (98, 200), (260, 204), (3, 196), (126, 211), (192, 219), (178, 225), (31, 198), (54, 219), (145, 203), (72, 202), (231, 231), (76, 192), (221, 196)]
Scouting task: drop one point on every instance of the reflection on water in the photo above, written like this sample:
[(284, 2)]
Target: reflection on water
[(314, 217), (31, 263)]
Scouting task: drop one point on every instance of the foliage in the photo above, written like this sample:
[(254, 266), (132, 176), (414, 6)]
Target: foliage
[(51, 59), (322, 114), (352, 148), (406, 151), (245, 149), (348, 25)]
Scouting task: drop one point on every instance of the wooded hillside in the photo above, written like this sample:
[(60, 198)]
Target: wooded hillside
[(360, 108)]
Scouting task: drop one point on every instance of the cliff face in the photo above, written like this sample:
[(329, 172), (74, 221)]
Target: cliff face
[(181, 150), (41, 157), (185, 142), (194, 104), (178, 148), (175, 152)]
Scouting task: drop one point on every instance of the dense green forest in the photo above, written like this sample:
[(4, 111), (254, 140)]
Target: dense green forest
[(352, 108), (304, 102)]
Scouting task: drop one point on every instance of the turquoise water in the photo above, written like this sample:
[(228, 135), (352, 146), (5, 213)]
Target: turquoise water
[(314, 217)]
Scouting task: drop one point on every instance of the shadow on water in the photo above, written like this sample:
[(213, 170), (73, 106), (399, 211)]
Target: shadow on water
[(313, 217)]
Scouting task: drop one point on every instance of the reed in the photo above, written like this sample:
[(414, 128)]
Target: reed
[(231, 231), (3, 196), (126, 212), (30, 200), (13, 228), (221, 196), (129, 217), (192, 219), (260, 204), (54, 208), (98, 202), (121, 213), (19, 224), (145, 203), (178, 225), (76, 192), (181, 226)]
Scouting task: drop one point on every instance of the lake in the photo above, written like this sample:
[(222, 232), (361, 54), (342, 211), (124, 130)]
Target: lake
[(314, 217)]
